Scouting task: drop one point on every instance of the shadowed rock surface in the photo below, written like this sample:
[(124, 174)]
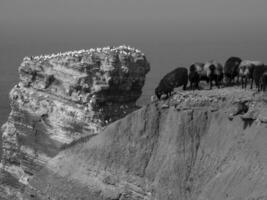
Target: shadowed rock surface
[(201, 145), (66, 98)]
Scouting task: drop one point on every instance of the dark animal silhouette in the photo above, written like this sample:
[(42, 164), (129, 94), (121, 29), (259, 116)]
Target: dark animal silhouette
[(209, 69), (199, 68), (231, 69), (216, 72), (209, 72), (258, 71), (177, 77), (194, 77), (220, 74), (246, 69)]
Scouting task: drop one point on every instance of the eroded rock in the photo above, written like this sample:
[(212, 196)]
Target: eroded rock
[(68, 97), (160, 153)]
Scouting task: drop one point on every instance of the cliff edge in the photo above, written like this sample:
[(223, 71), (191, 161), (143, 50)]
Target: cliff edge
[(202, 145)]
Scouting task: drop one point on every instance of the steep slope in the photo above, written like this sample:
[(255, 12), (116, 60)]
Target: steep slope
[(199, 146)]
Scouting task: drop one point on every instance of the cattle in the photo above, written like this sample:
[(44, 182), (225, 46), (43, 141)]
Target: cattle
[(231, 69), (258, 71), (177, 77), (245, 72)]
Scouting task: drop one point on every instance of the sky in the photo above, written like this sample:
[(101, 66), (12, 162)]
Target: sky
[(186, 21), (170, 32)]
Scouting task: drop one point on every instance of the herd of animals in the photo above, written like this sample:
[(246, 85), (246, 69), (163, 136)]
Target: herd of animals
[(234, 71)]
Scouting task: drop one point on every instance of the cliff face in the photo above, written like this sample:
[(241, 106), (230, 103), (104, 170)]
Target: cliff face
[(203, 145), (197, 146), (68, 97)]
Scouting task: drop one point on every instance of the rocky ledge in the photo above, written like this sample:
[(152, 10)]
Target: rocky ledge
[(67, 97)]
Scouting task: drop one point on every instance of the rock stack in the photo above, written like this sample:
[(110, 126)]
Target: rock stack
[(64, 98)]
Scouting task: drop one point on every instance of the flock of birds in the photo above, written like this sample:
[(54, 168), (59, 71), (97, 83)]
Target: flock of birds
[(123, 49), (234, 71)]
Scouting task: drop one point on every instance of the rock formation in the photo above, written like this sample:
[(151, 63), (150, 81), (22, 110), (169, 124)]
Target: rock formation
[(184, 148), (67, 97), (203, 145)]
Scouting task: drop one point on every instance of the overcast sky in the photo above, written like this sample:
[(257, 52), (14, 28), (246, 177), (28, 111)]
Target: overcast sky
[(186, 20), (190, 29)]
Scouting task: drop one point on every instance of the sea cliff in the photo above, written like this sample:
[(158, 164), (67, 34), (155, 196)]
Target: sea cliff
[(75, 132), (196, 145), (66, 97)]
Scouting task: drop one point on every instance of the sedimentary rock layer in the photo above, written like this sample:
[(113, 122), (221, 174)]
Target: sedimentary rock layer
[(67, 97)]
